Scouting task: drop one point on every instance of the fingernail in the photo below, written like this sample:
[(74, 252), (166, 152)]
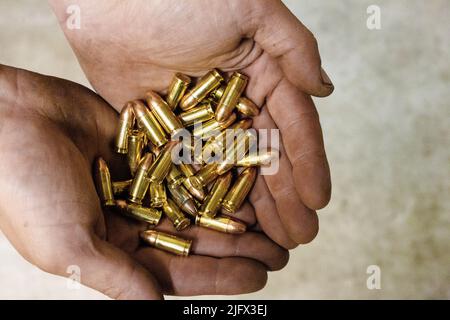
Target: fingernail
[(325, 78)]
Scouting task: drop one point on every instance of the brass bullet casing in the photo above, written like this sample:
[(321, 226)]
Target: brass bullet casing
[(161, 166), (214, 199), (259, 159), (177, 88), (207, 129), (166, 242), (120, 187), (205, 85), (230, 97), (149, 124), (135, 146), (218, 93), (138, 212), (163, 112), (103, 183), (175, 215), (183, 199), (205, 175), (202, 113), (126, 122), (194, 188), (247, 107), (221, 223), (239, 191), (174, 177), (140, 182), (236, 151), (157, 194)]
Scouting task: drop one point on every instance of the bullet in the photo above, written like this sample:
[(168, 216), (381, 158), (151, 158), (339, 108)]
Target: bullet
[(148, 122), (214, 199), (175, 215), (198, 114), (157, 194), (120, 187), (218, 93), (239, 191), (259, 158), (247, 107), (194, 188), (236, 151), (103, 183), (126, 122), (162, 164), (140, 182), (167, 242), (139, 212), (177, 88), (218, 142), (163, 112), (205, 85), (175, 177), (183, 199), (204, 176), (208, 129), (230, 97), (221, 223), (135, 146)]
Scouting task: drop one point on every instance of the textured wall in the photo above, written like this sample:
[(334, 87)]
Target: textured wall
[(387, 134)]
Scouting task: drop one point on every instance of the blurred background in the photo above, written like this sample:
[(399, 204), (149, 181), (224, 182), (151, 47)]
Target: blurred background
[(387, 132)]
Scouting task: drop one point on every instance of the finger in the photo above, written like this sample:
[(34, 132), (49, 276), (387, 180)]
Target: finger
[(285, 38), (303, 141), (251, 245), (300, 222), (114, 273), (195, 275)]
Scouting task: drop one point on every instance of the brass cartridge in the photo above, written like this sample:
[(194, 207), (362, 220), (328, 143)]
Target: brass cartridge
[(140, 182), (177, 88), (126, 122), (230, 97), (198, 114), (161, 166), (157, 194), (120, 187), (259, 158), (214, 199), (103, 183), (148, 122), (239, 191), (139, 212), (221, 223), (135, 146), (166, 242), (247, 107), (175, 215), (205, 85), (183, 199), (163, 112), (208, 129), (175, 177), (204, 176)]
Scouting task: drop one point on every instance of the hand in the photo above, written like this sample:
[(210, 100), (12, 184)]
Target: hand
[(51, 131), (126, 48)]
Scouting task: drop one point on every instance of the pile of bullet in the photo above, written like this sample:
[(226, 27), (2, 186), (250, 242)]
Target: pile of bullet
[(208, 196)]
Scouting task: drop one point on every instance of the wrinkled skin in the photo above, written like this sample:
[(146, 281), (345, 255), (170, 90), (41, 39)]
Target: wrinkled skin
[(128, 47), (51, 132)]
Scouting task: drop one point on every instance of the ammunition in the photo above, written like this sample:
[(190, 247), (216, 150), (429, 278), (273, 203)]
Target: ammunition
[(135, 146), (194, 188), (103, 183), (239, 191), (163, 112), (218, 93), (198, 114), (175, 177), (160, 168), (167, 242), (205, 85), (236, 151), (177, 88), (174, 214), (207, 129), (157, 194), (214, 199), (205, 175), (259, 158), (183, 199), (230, 97), (247, 107), (139, 212), (119, 187), (221, 223), (126, 122), (147, 121), (140, 182)]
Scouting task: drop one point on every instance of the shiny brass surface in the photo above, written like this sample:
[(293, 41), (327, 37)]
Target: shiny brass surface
[(140, 183), (214, 199), (176, 90), (230, 97), (183, 199), (135, 146), (205, 85), (239, 191), (126, 122), (201, 113), (139, 212), (166, 242), (103, 183), (175, 215), (120, 187), (158, 194), (221, 223), (149, 124), (163, 112)]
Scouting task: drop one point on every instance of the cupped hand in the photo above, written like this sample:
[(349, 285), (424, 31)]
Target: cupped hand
[(128, 47), (51, 132)]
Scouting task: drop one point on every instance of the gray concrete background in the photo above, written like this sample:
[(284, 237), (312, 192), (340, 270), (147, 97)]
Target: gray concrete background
[(387, 134)]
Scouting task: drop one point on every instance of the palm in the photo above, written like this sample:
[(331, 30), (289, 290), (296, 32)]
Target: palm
[(139, 45), (51, 212)]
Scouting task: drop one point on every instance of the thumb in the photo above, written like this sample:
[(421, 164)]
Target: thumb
[(114, 273), (294, 47)]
